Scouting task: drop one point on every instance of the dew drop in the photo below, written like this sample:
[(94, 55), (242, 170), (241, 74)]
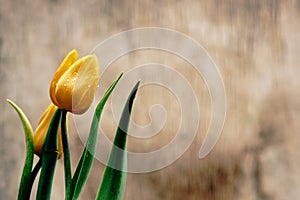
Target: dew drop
[(68, 80), (65, 84)]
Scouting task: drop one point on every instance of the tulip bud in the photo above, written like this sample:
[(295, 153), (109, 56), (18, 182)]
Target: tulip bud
[(75, 82), (41, 131)]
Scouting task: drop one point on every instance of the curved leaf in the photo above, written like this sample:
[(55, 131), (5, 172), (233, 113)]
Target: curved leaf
[(87, 156), (25, 183), (114, 180)]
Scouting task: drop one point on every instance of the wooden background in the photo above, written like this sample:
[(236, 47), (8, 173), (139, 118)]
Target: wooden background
[(256, 45)]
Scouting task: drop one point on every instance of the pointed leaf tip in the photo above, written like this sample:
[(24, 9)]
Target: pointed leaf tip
[(25, 183), (114, 179)]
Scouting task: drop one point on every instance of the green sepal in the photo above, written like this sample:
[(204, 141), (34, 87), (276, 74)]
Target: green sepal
[(114, 178)]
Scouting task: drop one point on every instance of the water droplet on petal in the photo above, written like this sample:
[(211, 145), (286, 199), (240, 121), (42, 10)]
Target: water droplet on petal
[(65, 84), (68, 80)]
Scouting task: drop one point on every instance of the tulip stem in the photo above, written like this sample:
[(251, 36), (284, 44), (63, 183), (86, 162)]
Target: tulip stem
[(49, 158), (34, 172), (67, 163)]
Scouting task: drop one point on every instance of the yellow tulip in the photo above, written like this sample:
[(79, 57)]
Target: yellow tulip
[(41, 131), (75, 82)]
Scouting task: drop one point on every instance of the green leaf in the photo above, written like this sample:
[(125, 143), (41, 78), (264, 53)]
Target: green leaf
[(67, 161), (87, 157), (114, 178), (25, 183), (49, 158)]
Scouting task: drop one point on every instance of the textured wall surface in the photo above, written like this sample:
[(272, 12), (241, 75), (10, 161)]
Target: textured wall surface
[(256, 45)]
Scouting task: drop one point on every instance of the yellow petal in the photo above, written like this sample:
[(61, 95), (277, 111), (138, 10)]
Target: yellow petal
[(86, 84), (64, 66)]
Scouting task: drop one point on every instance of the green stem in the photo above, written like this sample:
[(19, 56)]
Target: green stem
[(34, 172), (67, 162), (49, 158)]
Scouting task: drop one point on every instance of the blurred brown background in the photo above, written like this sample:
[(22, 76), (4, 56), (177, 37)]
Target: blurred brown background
[(256, 45)]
